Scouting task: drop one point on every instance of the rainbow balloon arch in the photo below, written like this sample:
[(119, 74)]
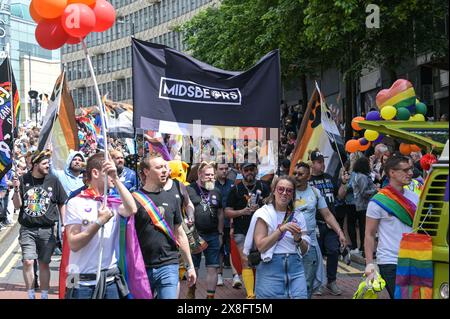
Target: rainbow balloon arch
[(398, 103)]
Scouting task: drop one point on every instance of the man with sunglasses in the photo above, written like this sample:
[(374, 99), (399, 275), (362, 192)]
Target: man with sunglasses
[(243, 200), (310, 202), (390, 213)]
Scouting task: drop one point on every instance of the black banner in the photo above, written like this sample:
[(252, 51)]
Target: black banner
[(8, 94), (171, 86)]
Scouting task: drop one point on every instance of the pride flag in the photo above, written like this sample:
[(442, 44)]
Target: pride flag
[(414, 278)]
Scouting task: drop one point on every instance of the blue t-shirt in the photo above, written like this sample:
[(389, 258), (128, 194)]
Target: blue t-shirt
[(308, 202)]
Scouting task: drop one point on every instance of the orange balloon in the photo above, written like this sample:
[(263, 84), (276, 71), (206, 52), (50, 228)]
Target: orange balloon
[(363, 148), (355, 121), (50, 9), (405, 149), (352, 146), (88, 2), (34, 15), (414, 148)]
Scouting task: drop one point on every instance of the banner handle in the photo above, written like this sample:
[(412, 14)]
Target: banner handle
[(105, 142)]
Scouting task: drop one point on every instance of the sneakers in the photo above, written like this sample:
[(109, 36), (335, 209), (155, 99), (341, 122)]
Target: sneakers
[(334, 289), (219, 280), (354, 251), (191, 293), (318, 291), (237, 283)]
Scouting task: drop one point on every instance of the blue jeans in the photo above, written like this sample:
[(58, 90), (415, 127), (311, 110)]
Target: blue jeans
[(281, 278), (329, 245), (85, 292), (310, 263), (212, 253), (164, 281)]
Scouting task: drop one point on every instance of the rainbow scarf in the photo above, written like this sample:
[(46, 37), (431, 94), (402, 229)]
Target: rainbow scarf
[(414, 279), (396, 204), (112, 200), (154, 214)]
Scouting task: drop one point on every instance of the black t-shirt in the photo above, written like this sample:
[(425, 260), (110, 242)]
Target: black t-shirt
[(324, 183), (157, 248), (238, 199), (206, 215), (40, 200)]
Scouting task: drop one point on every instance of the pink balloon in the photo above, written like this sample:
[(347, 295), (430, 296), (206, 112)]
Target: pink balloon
[(78, 20), (50, 34), (105, 15)]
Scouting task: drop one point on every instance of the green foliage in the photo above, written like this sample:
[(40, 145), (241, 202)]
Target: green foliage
[(315, 34)]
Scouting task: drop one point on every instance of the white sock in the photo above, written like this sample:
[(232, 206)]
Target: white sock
[(44, 294), (31, 294)]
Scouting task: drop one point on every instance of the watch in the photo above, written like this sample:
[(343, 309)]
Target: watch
[(99, 223)]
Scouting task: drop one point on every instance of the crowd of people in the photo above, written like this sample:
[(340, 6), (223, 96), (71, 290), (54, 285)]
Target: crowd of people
[(284, 227)]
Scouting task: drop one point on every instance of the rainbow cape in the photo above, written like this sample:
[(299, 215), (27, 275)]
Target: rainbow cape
[(414, 279), (154, 214), (396, 204), (131, 262)]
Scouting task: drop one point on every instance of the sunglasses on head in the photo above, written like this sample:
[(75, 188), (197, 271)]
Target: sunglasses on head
[(281, 189)]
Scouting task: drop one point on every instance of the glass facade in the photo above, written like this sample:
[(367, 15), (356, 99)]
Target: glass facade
[(117, 59)]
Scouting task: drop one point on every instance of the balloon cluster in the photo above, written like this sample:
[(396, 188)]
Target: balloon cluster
[(399, 102), (69, 21)]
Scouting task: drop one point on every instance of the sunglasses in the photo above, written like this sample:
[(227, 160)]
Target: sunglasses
[(281, 190)]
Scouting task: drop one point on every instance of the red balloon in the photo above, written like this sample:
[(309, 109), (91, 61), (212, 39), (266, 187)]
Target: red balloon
[(50, 34), (78, 20), (73, 40), (105, 15)]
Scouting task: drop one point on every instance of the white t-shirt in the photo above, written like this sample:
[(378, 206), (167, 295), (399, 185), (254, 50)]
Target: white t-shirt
[(83, 211), (287, 245), (390, 230)]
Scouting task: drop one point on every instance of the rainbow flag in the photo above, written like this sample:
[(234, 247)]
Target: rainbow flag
[(414, 279), (9, 115)]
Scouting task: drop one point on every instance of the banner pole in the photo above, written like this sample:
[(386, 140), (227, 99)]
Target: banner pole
[(105, 142)]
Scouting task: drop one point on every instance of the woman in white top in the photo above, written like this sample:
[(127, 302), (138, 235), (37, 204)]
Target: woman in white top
[(279, 234)]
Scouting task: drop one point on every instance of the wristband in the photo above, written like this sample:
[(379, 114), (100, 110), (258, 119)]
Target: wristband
[(99, 223)]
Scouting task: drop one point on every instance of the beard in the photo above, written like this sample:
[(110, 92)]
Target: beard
[(209, 185)]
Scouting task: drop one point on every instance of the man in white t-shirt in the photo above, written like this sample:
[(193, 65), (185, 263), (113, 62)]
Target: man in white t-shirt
[(85, 216), (390, 219)]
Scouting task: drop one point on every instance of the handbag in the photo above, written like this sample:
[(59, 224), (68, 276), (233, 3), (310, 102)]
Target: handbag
[(254, 258), (196, 243)]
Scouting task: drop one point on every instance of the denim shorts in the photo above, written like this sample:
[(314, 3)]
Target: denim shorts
[(85, 292), (212, 253), (281, 278), (37, 243), (164, 281), (239, 240)]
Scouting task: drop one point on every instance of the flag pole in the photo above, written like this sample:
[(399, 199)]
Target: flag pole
[(322, 103), (105, 142)]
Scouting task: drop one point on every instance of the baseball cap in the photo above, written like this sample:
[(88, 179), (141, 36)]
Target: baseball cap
[(248, 164), (316, 155)]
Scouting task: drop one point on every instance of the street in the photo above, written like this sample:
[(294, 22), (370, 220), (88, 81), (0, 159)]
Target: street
[(12, 285)]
